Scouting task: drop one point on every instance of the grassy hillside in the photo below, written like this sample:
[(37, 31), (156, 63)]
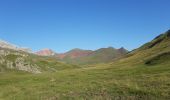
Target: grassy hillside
[(104, 82), (144, 74), (158, 49)]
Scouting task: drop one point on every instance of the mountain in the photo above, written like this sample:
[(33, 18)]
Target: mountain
[(75, 53), (78, 56), (4, 44), (46, 52)]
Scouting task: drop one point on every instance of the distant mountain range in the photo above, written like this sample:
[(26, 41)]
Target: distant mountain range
[(80, 56), (74, 56)]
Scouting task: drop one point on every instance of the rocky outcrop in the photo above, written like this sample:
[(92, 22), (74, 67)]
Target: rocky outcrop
[(17, 60), (21, 64)]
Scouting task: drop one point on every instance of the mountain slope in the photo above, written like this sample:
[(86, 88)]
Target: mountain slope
[(157, 49)]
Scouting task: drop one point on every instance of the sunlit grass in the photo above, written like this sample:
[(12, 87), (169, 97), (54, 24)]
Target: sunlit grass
[(141, 82)]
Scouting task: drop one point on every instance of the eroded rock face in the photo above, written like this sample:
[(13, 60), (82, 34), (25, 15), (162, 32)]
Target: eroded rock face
[(16, 60), (9, 65), (21, 64)]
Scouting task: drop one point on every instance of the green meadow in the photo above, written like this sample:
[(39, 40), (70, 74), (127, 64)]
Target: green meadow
[(102, 82)]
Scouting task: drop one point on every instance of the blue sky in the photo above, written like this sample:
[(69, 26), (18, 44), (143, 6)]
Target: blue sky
[(88, 24)]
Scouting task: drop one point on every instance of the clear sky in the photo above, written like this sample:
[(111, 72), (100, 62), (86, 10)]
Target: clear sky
[(88, 24)]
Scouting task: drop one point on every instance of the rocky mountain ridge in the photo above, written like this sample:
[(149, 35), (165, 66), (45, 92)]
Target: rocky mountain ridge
[(5, 44)]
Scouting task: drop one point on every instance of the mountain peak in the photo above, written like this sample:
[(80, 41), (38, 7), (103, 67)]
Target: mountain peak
[(47, 49), (110, 48), (106, 48), (45, 52), (122, 50), (76, 49), (75, 53)]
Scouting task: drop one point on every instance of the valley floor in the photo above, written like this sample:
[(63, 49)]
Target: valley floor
[(103, 82)]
